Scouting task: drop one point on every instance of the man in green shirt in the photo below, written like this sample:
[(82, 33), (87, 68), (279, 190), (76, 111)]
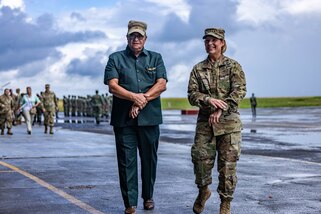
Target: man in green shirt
[(136, 77)]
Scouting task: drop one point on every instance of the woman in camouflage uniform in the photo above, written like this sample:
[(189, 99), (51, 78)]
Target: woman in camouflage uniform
[(216, 86)]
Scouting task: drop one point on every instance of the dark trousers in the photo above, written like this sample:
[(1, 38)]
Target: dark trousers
[(128, 139)]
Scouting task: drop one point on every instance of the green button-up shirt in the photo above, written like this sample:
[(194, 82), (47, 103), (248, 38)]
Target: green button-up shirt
[(138, 75)]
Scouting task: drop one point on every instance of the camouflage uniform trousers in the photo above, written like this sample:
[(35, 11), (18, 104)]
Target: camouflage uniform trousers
[(6, 118), (49, 118), (204, 151), (97, 112)]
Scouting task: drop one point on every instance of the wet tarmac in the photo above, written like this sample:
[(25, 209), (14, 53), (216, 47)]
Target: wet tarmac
[(75, 170)]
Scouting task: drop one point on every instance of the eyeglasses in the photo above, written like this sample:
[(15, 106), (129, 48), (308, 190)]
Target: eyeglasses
[(134, 36)]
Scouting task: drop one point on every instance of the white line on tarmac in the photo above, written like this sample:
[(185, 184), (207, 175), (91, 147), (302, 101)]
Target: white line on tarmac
[(289, 159), (63, 194)]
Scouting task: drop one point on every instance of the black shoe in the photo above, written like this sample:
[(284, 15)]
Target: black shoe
[(149, 204), (29, 132)]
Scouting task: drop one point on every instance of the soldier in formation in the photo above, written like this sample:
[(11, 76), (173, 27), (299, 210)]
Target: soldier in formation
[(97, 102), (98, 106), (73, 106), (65, 106)]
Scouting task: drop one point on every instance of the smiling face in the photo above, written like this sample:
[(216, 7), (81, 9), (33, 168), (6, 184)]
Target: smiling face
[(47, 88), (7, 92), (136, 42), (29, 91), (213, 46)]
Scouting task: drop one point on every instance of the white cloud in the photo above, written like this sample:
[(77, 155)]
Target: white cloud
[(302, 6), (256, 12), (179, 7), (13, 4)]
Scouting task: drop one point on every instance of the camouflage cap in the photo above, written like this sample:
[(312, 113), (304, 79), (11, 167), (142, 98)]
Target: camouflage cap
[(215, 32), (137, 26), (218, 33)]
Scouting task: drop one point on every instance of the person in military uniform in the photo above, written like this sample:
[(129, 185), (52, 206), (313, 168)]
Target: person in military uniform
[(65, 105), (39, 113), (89, 109), (18, 96), (136, 77), (110, 103), (216, 85), (79, 106), (50, 106), (68, 106), (97, 105), (73, 106), (253, 105), (7, 106)]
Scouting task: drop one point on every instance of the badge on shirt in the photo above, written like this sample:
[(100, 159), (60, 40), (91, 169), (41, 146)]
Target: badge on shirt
[(151, 68)]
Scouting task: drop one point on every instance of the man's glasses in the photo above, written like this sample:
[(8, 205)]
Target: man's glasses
[(134, 36)]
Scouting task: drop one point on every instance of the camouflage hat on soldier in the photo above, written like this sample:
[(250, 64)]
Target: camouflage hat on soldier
[(218, 33), (137, 26)]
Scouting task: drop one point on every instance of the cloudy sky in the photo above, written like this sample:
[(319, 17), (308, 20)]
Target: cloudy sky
[(67, 42)]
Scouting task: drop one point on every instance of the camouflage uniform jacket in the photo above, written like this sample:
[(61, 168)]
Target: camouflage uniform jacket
[(97, 100), (6, 104), (224, 80), (49, 101)]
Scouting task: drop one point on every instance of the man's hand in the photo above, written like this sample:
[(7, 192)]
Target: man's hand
[(215, 117), (139, 100), (134, 111), (216, 103)]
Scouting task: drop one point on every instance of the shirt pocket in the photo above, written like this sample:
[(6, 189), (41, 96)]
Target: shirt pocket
[(204, 81), (224, 83), (150, 74)]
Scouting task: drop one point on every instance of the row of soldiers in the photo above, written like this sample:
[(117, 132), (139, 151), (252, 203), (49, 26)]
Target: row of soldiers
[(97, 106)]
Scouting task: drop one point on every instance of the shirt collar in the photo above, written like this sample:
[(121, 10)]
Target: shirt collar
[(129, 52), (209, 64)]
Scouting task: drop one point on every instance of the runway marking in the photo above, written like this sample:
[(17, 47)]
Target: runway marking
[(289, 159), (3, 171), (63, 194)]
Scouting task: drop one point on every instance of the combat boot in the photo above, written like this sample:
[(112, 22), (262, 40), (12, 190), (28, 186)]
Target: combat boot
[(2, 131), (9, 132), (203, 195), (51, 130), (46, 129), (225, 207)]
